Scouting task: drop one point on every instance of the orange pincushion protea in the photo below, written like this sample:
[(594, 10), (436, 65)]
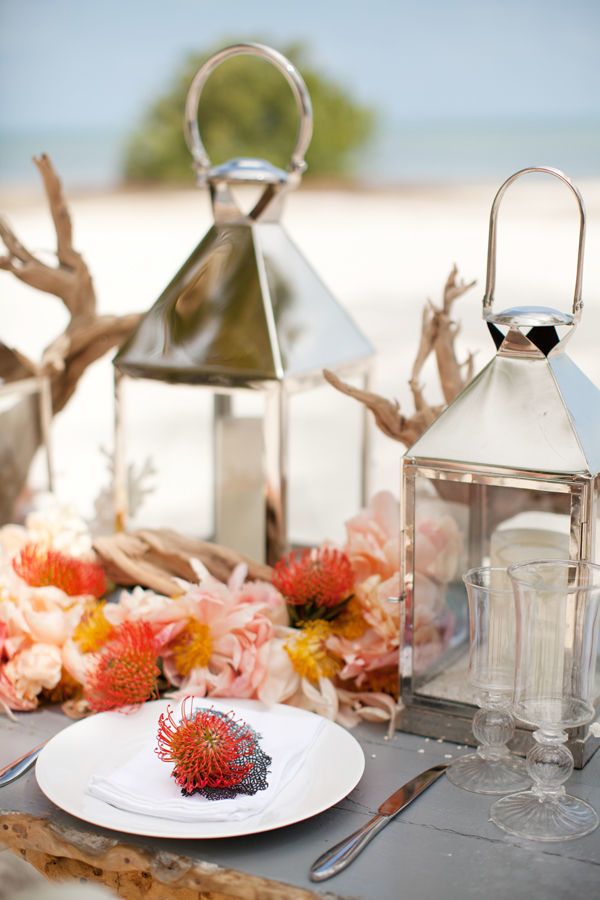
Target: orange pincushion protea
[(41, 567), (126, 671), (210, 749), (316, 583)]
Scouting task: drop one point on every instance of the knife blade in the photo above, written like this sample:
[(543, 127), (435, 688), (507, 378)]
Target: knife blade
[(18, 767), (341, 855)]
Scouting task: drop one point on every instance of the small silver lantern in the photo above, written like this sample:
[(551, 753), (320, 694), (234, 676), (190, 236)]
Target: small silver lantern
[(509, 472), (245, 313), (25, 419)]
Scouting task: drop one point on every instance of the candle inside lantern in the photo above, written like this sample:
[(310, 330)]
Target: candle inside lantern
[(240, 494), (528, 536)]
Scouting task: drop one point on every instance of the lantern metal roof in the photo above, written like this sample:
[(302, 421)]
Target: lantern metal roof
[(539, 414), (246, 307), (531, 408)]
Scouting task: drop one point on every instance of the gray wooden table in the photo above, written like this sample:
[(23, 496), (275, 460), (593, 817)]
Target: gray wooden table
[(443, 846)]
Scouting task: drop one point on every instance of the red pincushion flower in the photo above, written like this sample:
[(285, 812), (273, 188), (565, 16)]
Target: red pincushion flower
[(210, 749), (319, 580), (41, 567), (126, 671)]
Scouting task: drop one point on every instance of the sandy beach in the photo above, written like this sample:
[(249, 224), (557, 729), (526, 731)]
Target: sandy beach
[(382, 253)]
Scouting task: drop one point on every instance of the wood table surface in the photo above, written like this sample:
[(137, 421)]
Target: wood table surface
[(443, 846)]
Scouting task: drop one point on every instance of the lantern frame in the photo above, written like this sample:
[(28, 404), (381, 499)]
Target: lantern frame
[(246, 312), (479, 422)]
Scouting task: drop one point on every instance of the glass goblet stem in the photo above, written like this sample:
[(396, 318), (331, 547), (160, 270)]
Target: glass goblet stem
[(493, 726), (549, 763)]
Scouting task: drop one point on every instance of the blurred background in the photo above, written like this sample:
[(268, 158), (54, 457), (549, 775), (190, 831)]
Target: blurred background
[(444, 90), (421, 111)]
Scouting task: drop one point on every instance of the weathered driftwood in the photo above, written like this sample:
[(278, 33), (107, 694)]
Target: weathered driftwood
[(438, 337), (68, 854), (87, 337), (154, 558)]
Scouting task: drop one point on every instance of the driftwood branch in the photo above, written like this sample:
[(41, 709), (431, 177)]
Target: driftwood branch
[(387, 412), (70, 851), (155, 557), (438, 337), (87, 336)]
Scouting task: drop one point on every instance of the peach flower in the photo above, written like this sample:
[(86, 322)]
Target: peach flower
[(52, 525), (44, 614), (33, 669), (9, 698), (145, 605), (57, 526)]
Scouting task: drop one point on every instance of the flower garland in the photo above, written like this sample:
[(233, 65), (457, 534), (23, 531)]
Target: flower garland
[(324, 635)]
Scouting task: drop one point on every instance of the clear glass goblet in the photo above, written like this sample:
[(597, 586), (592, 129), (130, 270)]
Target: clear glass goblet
[(557, 610), (492, 769)]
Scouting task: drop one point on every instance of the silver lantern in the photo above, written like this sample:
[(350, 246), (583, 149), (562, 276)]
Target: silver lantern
[(509, 472), (245, 315), (25, 420)]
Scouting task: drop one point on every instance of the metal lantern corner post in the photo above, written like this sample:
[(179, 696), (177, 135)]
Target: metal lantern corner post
[(245, 313), (508, 473)]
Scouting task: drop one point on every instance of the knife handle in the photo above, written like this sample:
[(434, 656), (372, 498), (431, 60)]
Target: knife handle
[(18, 766), (338, 857)]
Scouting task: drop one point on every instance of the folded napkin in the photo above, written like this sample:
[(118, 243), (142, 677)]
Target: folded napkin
[(144, 784)]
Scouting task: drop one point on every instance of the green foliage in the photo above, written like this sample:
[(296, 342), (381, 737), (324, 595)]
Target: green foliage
[(247, 109)]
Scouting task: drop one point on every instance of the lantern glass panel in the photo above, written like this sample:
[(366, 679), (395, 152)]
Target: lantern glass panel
[(325, 484), (459, 526), (204, 457), (167, 433), (25, 460)]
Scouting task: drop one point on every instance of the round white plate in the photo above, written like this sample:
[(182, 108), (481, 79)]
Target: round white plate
[(97, 745)]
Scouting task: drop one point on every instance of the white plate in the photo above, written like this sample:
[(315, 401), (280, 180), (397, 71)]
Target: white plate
[(97, 745)]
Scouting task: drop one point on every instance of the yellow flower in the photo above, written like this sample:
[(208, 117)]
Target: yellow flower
[(350, 623), (308, 652), (66, 689), (93, 629), (193, 647)]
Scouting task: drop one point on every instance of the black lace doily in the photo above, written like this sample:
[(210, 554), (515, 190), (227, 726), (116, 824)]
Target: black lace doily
[(254, 781)]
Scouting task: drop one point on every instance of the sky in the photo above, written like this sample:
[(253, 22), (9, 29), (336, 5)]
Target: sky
[(68, 63)]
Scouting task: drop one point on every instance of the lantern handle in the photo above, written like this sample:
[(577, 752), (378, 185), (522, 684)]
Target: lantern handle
[(490, 284), (297, 164)]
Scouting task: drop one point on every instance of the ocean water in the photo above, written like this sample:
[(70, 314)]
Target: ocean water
[(474, 151), (84, 159), (407, 153)]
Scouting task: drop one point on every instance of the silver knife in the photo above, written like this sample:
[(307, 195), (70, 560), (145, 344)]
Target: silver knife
[(18, 766), (337, 858)]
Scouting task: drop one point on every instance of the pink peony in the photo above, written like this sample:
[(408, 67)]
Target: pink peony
[(438, 545), (223, 649)]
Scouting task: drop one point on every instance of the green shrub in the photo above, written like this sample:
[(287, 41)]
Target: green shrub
[(247, 109)]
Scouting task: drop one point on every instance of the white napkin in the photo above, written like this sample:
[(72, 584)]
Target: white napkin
[(144, 784)]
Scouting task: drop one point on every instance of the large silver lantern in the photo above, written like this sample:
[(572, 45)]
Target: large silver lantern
[(247, 318), (509, 472), (25, 424)]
